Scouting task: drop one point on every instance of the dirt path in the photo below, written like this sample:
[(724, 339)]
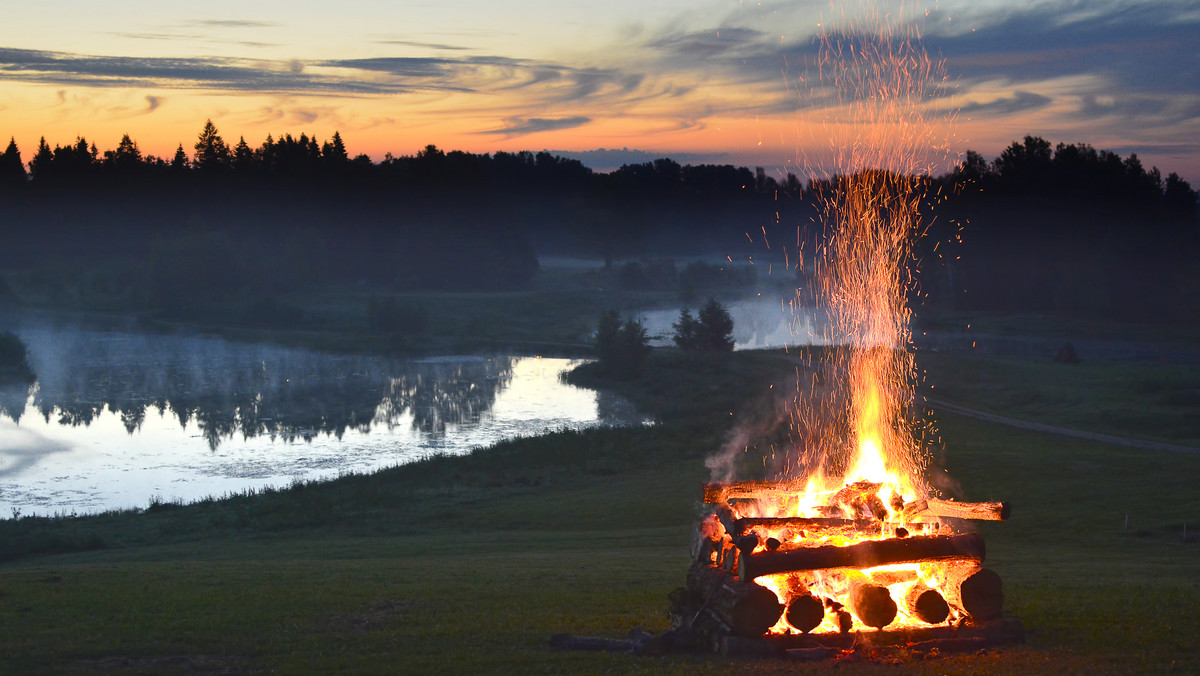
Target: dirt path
[(1061, 431)]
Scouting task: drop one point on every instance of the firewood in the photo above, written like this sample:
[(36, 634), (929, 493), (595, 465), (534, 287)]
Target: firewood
[(718, 492), (925, 604), (872, 604), (968, 547), (807, 524), (805, 613), (742, 608), (976, 591), (980, 511)]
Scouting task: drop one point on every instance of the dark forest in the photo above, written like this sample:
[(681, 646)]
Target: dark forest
[(1064, 229)]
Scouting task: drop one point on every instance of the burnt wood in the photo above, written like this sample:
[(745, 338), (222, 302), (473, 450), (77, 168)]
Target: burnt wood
[(872, 604), (978, 591), (925, 604), (742, 608), (967, 547), (810, 524), (805, 613)]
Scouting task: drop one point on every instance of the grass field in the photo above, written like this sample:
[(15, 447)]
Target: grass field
[(468, 565)]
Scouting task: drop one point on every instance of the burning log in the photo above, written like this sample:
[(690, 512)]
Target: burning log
[(742, 608), (808, 524), (925, 604), (805, 613), (872, 604), (723, 491), (981, 511), (977, 591), (868, 554)]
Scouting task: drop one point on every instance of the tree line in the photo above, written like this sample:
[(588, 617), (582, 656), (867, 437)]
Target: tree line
[(1061, 227)]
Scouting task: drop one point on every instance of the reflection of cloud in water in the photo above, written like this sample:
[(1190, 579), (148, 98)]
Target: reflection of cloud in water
[(21, 449)]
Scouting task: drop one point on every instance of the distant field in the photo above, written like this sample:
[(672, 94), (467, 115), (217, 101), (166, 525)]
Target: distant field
[(468, 565)]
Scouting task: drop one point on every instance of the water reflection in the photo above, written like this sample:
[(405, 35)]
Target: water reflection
[(117, 415), (244, 391)]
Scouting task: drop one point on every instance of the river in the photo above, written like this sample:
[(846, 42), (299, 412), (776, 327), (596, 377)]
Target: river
[(120, 417)]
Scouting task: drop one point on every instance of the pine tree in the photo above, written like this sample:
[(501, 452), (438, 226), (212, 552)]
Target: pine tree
[(12, 169), (211, 152), (180, 161), (716, 327), (687, 331), (42, 164), (243, 157), (607, 334)]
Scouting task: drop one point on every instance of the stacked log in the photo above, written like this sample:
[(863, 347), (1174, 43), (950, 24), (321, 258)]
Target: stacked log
[(926, 604), (737, 607), (723, 576), (968, 547), (975, 590)]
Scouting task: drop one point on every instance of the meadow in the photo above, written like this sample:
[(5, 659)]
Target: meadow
[(470, 564)]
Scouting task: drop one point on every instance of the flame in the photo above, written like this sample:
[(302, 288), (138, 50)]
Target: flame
[(863, 459)]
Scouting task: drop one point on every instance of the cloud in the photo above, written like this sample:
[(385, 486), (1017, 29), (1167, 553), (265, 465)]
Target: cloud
[(232, 23), (1122, 44), (522, 126), (423, 45), (215, 73), (1019, 102), (153, 102)]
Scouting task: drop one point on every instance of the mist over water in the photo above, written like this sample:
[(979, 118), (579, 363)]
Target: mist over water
[(119, 417), (758, 323)]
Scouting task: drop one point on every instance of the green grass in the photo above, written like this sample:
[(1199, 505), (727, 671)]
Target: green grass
[(468, 565), (1144, 400)]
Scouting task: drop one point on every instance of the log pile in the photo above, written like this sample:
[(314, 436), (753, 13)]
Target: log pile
[(751, 575)]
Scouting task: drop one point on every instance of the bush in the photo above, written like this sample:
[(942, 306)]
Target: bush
[(621, 348), (713, 330)]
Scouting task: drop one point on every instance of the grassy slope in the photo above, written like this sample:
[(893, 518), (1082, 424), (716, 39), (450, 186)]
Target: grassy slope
[(468, 565)]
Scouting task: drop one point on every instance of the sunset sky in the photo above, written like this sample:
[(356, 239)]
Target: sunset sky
[(698, 80)]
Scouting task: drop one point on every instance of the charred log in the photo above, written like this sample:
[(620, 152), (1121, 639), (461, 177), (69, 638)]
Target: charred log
[(805, 613), (925, 604), (739, 608), (872, 604), (807, 524), (977, 591), (869, 554)]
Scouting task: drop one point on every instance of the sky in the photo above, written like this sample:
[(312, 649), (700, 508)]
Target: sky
[(609, 82)]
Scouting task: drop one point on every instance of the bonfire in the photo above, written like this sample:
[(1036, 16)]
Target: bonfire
[(849, 539)]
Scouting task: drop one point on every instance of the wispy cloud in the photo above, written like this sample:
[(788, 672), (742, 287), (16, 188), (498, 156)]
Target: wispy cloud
[(423, 45), (532, 125), (1020, 101), (232, 23)]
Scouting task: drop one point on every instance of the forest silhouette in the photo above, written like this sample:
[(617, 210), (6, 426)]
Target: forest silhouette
[(1060, 228)]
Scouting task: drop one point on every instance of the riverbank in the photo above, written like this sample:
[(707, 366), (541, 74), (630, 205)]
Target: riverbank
[(469, 564)]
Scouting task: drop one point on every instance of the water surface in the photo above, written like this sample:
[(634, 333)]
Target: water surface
[(120, 417)]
